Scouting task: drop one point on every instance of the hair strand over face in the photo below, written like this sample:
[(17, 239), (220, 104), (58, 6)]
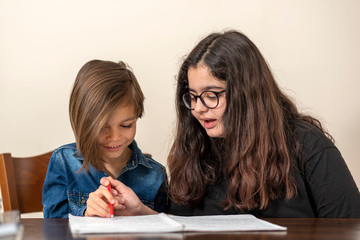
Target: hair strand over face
[(99, 88)]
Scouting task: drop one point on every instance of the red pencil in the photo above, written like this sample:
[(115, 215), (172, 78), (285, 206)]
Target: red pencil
[(110, 205)]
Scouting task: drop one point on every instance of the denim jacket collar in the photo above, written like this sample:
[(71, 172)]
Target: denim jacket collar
[(136, 158)]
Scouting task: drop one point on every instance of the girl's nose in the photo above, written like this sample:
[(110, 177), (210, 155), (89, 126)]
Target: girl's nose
[(199, 106), (113, 134)]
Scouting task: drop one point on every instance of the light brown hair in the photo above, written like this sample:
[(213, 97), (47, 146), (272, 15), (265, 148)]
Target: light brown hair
[(99, 88)]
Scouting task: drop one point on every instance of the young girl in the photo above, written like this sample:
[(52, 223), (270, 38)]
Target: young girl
[(105, 103)]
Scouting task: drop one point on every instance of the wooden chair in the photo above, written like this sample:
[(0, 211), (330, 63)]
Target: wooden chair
[(22, 180)]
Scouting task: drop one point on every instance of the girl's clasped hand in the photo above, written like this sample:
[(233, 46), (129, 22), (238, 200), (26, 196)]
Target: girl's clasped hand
[(123, 198)]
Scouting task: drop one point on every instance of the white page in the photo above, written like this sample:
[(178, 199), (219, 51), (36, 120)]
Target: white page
[(214, 223), (123, 224), (169, 223)]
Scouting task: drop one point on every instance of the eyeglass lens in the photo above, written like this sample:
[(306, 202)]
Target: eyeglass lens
[(209, 99)]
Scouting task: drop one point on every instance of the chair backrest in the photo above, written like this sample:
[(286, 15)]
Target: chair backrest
[(22, 180)]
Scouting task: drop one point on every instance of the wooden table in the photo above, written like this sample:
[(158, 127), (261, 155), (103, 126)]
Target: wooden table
[(303, 228)]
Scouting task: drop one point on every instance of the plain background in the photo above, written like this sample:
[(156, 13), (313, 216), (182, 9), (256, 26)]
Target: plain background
[(311, 46)]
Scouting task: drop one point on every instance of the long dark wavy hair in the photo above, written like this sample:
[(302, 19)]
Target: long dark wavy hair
[(258, 145)]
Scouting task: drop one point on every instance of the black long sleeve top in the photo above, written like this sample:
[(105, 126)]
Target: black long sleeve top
[(325, 185)]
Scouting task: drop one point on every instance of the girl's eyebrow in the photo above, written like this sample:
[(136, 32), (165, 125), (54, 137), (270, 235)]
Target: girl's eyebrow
[(207, 88), (124, 120), (129, 119)]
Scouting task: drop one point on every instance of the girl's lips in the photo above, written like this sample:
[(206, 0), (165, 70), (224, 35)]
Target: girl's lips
[(209, 123), (113, 148)]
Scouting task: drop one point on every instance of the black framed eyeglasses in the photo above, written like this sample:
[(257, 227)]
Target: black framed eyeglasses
[(209, 99)]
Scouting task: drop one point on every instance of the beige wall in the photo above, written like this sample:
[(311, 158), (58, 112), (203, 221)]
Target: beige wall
[(312, 46)]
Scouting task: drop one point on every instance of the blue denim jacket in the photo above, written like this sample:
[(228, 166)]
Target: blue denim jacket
[(66, 190)]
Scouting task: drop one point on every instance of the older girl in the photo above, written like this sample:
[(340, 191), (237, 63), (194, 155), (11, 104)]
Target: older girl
[(242, 146)]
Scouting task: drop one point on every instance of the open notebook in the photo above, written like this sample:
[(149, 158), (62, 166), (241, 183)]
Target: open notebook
[(170, 223)]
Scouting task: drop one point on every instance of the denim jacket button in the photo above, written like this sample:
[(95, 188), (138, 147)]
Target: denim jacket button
[(82, 201)]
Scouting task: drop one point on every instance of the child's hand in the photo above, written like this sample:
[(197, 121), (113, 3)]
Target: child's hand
[(98, 203), (127, 202)]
